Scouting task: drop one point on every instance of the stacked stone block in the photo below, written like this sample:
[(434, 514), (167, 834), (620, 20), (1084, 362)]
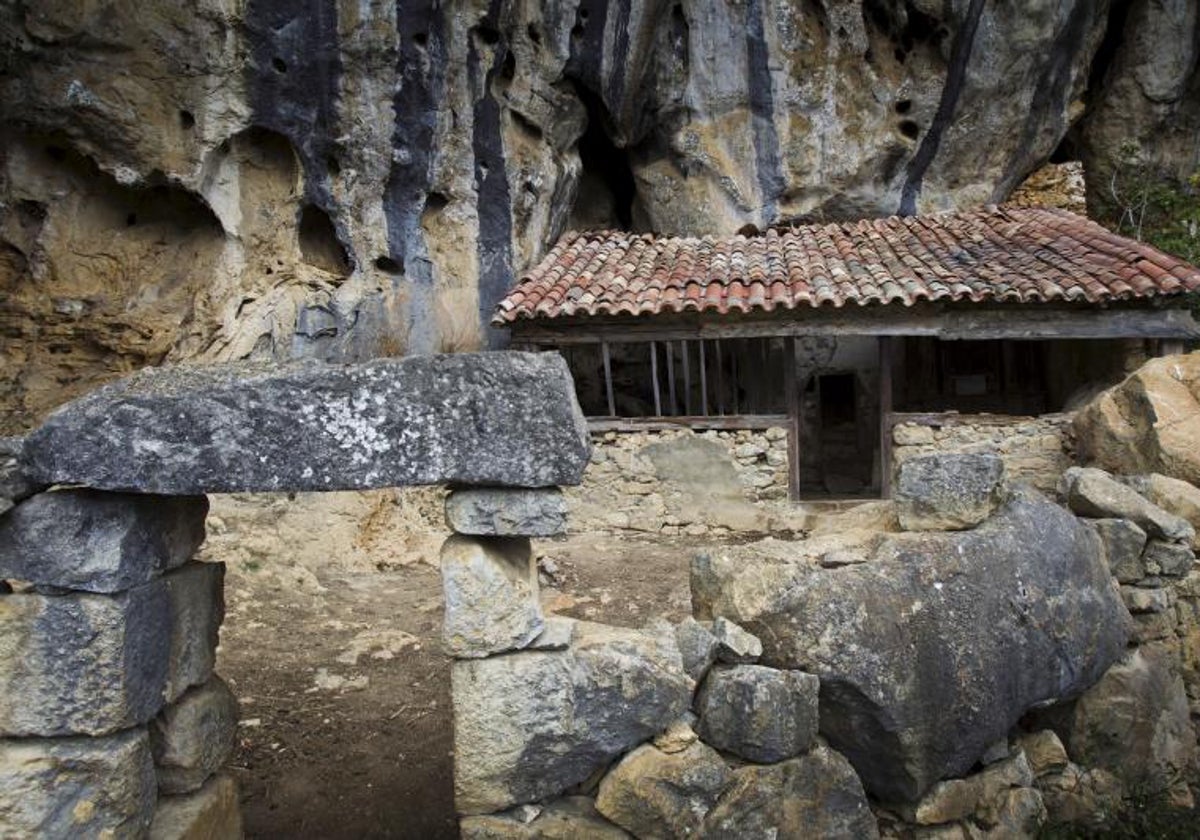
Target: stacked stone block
[(108, 631), (569, 728)]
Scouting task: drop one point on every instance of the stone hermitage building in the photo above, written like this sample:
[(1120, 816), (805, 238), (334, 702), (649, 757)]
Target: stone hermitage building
[(851, 339)]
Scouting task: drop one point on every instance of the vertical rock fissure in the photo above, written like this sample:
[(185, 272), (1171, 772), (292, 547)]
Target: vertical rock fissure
[(293, 84), (422, 61), (960, 56), (495, 210), (762, 110)]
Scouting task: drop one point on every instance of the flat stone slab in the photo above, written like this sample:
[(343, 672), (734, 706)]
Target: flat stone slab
[(99, 542), (500, 419)]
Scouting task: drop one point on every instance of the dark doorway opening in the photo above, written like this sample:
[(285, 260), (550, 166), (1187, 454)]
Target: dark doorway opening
[(839, 438)]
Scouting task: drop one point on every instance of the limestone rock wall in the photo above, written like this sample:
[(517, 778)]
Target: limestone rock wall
[(341, 179)]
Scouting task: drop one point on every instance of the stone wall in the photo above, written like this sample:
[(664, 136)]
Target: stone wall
[(680, 481), (112, 722), (1034, 449)]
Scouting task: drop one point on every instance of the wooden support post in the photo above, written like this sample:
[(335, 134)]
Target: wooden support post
[(733, 373), (608, 385), (703, 381), (792, 393), (671, 377), (720, 379), (1170, 347), (687, 379), (654, 376), (885, 417)]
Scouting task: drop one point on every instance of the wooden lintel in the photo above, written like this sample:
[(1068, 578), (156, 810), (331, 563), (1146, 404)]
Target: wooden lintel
[(955, 418), (1030, 321), (652, 424)]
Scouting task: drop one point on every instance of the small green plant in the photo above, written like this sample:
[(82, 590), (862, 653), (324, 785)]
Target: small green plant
[(1144, 202)]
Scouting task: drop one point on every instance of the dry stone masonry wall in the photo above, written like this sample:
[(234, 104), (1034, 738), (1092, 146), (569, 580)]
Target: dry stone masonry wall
[(112, 722)]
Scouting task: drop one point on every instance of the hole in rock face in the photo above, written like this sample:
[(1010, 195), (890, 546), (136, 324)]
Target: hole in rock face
[(534, 35), (319, 244), (388, 265), (56, 153), (187, 120), (332, 165), (279, 64), (910, 129), (435, 201), (421, 39), (509, 69), (131, 220), (488, 35), (903, 106)]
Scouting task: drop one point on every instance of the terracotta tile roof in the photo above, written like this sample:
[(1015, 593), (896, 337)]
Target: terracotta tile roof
[(995, 254)]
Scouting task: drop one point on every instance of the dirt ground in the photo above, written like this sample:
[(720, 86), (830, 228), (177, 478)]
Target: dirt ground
[(333, 651)]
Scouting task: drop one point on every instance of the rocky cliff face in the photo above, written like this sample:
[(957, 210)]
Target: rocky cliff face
[(232, 178)]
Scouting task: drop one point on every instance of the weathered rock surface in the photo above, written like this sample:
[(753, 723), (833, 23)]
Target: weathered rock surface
[(99, 542), (93, 664), (948, 492), (14, 486), (1093, 492), (210, 813), (697, 645), (196, 594), (816, 795), (492, 418), (653, 794), (77, 787), (930, 652), (758, 713), (569, 818), (957, 799), (193, 737), (1135, 723), (1087, 798), (734, 645), (1123, 544), (1045, 752), (1172, 495), (490, 590), (531, 724), (1150, 422), (1169, 559), (496, 511)]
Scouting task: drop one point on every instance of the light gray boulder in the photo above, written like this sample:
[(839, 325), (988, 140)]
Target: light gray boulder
[(77, 787), (735, 646), (490, 589), (815, 795), (758, 713), (697, 645), (531, 724), (505, 419), (95, 664), (948, 492), (99, 542), (1123, 544), (1093, 492), (193, 737), (505, 512), (655, 795), (932, 651)]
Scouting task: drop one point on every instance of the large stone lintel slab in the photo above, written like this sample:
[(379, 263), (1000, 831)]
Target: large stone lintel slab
[(504, 419)]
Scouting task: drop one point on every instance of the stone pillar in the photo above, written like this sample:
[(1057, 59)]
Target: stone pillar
[(112, 722)]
